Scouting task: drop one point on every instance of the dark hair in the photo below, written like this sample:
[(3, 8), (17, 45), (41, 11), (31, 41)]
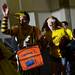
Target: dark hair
[(65, 22), (74, 31), (26, 14), (45, 26), (56, 23)]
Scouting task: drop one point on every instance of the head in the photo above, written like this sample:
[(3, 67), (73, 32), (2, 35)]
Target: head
[(23, 17), (65, 24), (73, 33), (51, 23)]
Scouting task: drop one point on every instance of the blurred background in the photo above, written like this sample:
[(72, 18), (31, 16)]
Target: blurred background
[(39, 10)]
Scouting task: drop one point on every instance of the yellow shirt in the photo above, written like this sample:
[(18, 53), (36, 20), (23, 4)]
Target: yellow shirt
[(69, 32), (57, 35)]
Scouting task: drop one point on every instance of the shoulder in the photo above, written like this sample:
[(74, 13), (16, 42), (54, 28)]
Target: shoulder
[(61, 30), (68, 30)]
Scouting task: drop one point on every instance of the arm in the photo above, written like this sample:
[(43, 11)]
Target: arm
[(4, 25)]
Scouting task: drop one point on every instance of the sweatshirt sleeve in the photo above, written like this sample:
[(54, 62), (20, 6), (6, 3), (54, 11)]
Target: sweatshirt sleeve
[(4, 25)]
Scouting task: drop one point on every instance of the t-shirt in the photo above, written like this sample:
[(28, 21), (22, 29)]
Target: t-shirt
[(57, 35)]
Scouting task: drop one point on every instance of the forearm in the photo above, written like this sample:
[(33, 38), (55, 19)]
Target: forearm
[(4, 25)]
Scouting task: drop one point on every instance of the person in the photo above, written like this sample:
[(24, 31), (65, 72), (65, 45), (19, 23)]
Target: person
[(64, 49), (71, 54), (67, 29), (44, 43), (25, 34), (6, 68), (53, 33), (22, 30)]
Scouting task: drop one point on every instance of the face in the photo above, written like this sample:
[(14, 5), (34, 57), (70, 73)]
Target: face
[(23, 19), (50, 22), (64, 25)]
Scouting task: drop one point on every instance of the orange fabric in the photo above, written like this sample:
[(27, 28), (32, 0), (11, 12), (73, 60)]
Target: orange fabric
[(30, 55)]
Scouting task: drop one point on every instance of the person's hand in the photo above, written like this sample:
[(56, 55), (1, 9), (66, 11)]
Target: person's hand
[(5, 10)]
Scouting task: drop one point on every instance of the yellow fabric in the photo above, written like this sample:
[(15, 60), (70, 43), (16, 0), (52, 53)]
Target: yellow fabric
[(3, 25), (2, 30), (3, 22), (4, 18), (57, 35), (59, 53), (69, 32)]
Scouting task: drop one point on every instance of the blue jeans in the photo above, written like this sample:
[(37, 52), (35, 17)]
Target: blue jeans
[(66, 63)]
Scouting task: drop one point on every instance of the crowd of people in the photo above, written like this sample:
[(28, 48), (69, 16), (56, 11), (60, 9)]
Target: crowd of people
[(57, 43)]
